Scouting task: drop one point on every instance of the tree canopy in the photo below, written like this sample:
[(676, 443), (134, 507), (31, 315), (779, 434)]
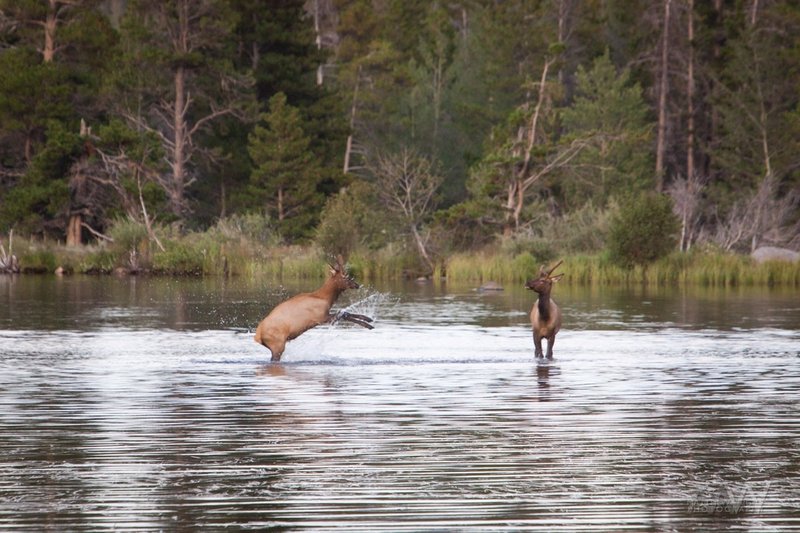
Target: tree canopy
[(533, 113)]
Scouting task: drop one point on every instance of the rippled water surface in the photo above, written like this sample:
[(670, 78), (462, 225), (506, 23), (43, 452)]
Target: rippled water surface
[(145, 404)]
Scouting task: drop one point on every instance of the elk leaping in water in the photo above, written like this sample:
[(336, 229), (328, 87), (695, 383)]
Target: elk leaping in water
[(545, 314), (301, 312)]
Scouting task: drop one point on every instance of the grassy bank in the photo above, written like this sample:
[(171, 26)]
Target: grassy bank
[(705, 269), (217, 253)]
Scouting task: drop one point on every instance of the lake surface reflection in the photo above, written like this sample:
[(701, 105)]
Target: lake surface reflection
[(145, 404)]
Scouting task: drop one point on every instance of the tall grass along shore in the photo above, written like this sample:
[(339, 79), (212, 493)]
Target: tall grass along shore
[(217, 253)]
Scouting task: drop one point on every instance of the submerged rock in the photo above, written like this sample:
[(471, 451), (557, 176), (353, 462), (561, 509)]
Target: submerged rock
[(490, 286)]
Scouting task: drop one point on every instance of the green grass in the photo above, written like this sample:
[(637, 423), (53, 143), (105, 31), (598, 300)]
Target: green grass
[(704, 269), (247, 249)]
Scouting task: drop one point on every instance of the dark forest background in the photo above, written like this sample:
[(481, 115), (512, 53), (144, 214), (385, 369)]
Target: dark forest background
[(444, 126)]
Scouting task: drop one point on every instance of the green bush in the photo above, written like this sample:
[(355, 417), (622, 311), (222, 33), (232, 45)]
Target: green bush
[(128, 234), (102, 261), (38, 261), (348, 223), (180, 258), (644, 230)]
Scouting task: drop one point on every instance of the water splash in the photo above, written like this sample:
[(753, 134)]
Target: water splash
[(369, 305)]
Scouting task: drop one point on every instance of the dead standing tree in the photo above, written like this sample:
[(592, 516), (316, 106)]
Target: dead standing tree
[(200, 90), (407, 185), (531, 169), (765, 216), (686, 194)]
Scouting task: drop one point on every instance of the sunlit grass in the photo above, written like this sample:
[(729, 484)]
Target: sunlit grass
[(245, 248), (705, 269)]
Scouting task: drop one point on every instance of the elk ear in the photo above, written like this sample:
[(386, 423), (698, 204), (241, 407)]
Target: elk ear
[(340, 263), (556, 278)]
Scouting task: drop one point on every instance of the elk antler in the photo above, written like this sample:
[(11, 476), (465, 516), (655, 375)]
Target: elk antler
[(555, 267)]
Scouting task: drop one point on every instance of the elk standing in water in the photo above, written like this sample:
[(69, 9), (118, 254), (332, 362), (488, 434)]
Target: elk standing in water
[(298, 314), (545, 315)]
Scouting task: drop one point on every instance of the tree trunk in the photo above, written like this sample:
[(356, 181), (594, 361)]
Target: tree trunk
[(754, 13), (49, 50), (690, 96), (318, 42), (348, 150), (508, 226), (74, 230), (423, 252), (178, 154), (280, 204), (179, 115), (223, 200), (516, 190), (661, 143), (563, 12), (438, 89)]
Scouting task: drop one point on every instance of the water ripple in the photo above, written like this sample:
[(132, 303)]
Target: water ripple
[(417, 425)]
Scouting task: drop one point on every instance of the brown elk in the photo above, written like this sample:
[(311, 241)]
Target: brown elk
[(298, 314), (545, 314)]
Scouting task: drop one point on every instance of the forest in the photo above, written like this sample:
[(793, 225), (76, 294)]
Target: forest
[(158, 133)]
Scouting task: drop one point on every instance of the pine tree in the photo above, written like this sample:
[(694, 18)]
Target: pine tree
[(608, 105), (285, 176), (176, 79)]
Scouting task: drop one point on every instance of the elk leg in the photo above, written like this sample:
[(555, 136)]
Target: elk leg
[(551, 340), (361, 320), (276, 346), (537, 343)]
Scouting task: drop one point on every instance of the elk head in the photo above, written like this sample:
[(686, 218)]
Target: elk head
[(544, 283), (341, 280)]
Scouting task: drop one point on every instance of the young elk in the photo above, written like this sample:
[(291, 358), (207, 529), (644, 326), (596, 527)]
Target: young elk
[(545, 315), (298, 314)]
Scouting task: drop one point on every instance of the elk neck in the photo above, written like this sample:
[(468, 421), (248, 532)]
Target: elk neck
[(330, 290), (544, 306)]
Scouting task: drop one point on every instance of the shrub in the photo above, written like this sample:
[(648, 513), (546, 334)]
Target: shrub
[(179, 258), (527, 242), (252, 227), (38, 261), (101, 261), (644, 230), (348, 222)]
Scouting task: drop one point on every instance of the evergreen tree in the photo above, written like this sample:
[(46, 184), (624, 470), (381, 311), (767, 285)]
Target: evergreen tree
[(608, 105), (756, 92), (50, 73), (276, 42), (176, 79), (38, 202), (285, 178), (644, 230)]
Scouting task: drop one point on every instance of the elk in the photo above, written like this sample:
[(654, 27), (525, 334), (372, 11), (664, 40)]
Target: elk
[(545, 314), (298, 314)]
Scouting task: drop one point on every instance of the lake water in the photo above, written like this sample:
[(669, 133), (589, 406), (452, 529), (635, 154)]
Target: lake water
[(144, 404)]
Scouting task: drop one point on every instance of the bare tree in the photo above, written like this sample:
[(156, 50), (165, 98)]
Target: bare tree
[(686, 196), (199, 91), (407, 185), (531, 170), (766, 216), (9, 264)]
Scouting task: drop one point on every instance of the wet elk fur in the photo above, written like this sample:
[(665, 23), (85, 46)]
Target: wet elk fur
[(301, 312), (545, 314)]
